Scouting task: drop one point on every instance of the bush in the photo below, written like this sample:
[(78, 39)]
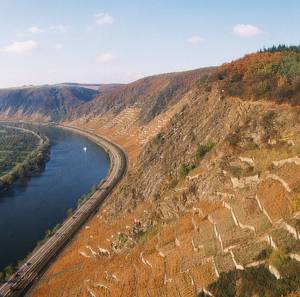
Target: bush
[(203, 149), (264, 254), (184, 169), (69, 212), (122, 238), (281, 260), (174, 183), (203, 79), (236, 171), (8, 271), (2, 277), (262, 88), (256, 281), (144, 236), (159, 138)]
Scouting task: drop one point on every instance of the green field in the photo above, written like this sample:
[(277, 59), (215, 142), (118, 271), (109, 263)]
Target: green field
[(15, 146)]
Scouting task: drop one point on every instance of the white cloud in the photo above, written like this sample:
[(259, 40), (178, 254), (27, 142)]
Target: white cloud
[(196, 39), (104, 18), (20, 47), (105, 57), (58, 46), (246, 30), (35, 29), (58, 29)]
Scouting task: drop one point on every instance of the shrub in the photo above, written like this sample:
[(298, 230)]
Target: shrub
[(69, 212), (203, 79), (264, 254), (236, 77), (203, 149), (8, 271), (122, 238), (144, 236), (262, 88), (234, 138), (159, 138), (2, 277), (281, 260), (184, 169), (236, 171), (256, 281), (174, 183)]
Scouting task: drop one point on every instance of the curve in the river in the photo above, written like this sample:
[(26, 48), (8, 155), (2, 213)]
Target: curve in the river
[(38, 203), (43, 255)]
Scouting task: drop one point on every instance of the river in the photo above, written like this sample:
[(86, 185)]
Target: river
[(32, 206)]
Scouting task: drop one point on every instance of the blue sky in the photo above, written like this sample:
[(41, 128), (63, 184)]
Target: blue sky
[(122, 40)]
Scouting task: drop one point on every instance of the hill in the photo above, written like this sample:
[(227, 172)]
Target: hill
[(42, 103), (70, 101), (271, 75), (210, 204), (152, 95)]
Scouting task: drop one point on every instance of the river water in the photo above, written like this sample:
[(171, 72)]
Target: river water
[(32, 206)]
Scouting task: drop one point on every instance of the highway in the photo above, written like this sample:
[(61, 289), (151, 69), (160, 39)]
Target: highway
[(30, 271)]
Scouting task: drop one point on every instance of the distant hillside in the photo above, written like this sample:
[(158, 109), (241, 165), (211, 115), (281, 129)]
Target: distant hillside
[(99, 87), (152, 95), (44, 102)]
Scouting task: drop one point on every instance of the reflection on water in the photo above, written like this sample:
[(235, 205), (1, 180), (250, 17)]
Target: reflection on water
[(31, 206)]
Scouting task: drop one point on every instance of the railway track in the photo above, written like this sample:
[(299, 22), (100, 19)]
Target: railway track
[(30, 271)]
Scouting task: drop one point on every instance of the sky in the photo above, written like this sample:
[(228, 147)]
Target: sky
[(113, 41)]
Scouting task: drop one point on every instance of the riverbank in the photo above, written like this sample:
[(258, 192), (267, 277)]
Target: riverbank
[(33, 163), (41, 257)]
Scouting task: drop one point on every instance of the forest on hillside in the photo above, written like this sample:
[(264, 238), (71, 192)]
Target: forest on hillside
[(271, 74)]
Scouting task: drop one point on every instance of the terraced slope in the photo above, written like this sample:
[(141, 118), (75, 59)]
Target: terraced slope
[(210, 205), (181, 240), (150, 96)]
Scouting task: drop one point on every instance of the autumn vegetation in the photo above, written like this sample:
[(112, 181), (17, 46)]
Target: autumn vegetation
[(272, 74)]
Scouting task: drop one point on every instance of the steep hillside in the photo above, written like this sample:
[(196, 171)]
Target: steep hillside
[(210, 205), (152, 95), (270, 75), (132, 114), (42, 103), (68, 101)]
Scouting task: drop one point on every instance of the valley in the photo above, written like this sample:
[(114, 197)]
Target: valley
[(34, 207), (209, 205)]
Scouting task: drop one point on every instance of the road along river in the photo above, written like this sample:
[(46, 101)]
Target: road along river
[(43, 255)]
